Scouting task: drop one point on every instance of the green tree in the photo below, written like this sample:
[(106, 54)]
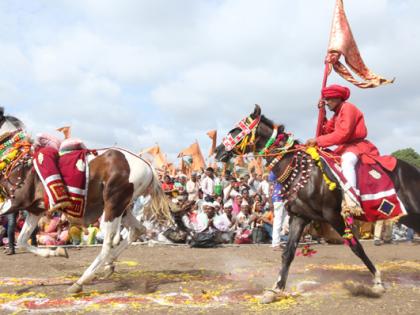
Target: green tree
[(409, 155)]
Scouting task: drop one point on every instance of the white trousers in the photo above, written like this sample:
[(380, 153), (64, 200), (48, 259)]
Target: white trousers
[(280, 214), (348, 165)]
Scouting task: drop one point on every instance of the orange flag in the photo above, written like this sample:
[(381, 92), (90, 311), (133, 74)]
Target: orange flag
[(158, 157), (184, 167), (197, 157), (213, 136), (257, 165), (66, 131), (342, 43)]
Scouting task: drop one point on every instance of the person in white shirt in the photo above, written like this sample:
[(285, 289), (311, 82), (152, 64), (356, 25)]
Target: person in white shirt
[(254, 183), (264, 187), (207, 183), (192, 187)]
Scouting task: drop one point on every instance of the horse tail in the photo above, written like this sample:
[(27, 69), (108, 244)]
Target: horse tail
[(159, 204)]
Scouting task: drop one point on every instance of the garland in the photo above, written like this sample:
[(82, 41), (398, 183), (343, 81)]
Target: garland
[(313, 152), (8, 158), (11, 142)]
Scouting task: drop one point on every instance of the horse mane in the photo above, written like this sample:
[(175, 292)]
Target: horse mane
[(269, 122), (281, 127), (14, 121)]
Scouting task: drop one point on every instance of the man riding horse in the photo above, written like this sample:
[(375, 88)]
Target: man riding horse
[(347, 130)]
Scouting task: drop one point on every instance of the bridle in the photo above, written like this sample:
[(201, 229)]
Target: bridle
[(247, 138)]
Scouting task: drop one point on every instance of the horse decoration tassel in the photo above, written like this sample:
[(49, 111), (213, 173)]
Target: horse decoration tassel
[(315, 156), (348, 235), (306, 251)]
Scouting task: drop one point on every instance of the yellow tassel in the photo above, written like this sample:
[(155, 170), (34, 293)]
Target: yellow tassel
[(312, 151)]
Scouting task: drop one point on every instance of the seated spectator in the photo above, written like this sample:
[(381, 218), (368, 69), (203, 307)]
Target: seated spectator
[(167, 184), (53, 230), (236, 206), (243, 226), (259, 234)]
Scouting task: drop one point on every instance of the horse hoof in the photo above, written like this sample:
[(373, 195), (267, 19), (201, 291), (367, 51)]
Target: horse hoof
[(62, 252), (270, 296), (378, 289), (109, 271), (75, 288)]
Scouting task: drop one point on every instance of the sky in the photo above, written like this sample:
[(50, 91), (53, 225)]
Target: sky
[(134, 73)]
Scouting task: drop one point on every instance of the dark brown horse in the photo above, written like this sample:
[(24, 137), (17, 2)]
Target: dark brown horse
[(308, 195), (116, 179)]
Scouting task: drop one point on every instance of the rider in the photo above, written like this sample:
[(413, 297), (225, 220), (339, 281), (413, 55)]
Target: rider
[(347, 130)]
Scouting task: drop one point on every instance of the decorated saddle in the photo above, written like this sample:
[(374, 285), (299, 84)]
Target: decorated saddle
[(63, 170), (376, 193)]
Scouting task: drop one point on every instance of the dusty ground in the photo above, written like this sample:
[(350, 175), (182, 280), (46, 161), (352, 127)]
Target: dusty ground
[(179, 280)]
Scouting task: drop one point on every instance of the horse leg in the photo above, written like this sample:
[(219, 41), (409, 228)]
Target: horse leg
[(338, 224), (109, 228), (135, 229), (31, 222), (296, 228)]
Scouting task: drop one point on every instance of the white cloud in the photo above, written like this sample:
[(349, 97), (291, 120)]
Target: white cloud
[(139, 72)]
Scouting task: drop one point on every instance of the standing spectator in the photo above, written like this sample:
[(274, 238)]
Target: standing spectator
[(192, 187), (12, 219), (254, 183), (279, 212), (207, 183), (383, 232), (265, 187), (231, 191), (246, 196)]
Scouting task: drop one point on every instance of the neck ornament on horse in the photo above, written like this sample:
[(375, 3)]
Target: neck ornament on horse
[(295, 175), (14, 155)]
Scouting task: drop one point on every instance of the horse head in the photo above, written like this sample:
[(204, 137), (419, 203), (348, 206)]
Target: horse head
[(253, 134)]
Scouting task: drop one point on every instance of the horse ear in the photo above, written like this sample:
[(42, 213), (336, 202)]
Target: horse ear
[(257, 111), (281, 129)]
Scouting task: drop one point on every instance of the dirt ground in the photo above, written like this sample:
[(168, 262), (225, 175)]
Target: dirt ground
[(229, 280)]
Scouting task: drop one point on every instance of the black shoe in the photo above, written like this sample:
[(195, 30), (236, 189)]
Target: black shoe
[(377, 242)]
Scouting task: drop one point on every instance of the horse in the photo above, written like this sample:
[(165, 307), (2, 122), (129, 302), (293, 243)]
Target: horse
[(313, 200), (117, 178)]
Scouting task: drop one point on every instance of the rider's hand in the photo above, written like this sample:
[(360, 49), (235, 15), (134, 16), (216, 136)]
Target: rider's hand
[(311, 143), (321, 103)]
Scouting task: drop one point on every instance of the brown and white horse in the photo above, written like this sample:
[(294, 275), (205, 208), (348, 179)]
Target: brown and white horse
[(116, 179)]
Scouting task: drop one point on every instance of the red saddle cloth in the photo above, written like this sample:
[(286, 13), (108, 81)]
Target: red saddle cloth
[(376, 192), (73, 166), (64, 177)]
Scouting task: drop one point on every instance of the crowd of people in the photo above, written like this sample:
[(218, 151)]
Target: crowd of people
[(240, 209), (229, 208)]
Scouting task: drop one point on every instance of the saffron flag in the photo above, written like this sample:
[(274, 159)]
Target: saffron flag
[(66, 131), (184, 167), (256, 165), (197, 157), (213, 136), (158, 157), (342, 43)]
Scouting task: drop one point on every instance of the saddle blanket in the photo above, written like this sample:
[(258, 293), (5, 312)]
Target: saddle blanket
[(74, 169), (70, 168), (376, 192)]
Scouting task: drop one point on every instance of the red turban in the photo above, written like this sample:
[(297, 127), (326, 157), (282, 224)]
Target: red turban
[(336, 91)]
